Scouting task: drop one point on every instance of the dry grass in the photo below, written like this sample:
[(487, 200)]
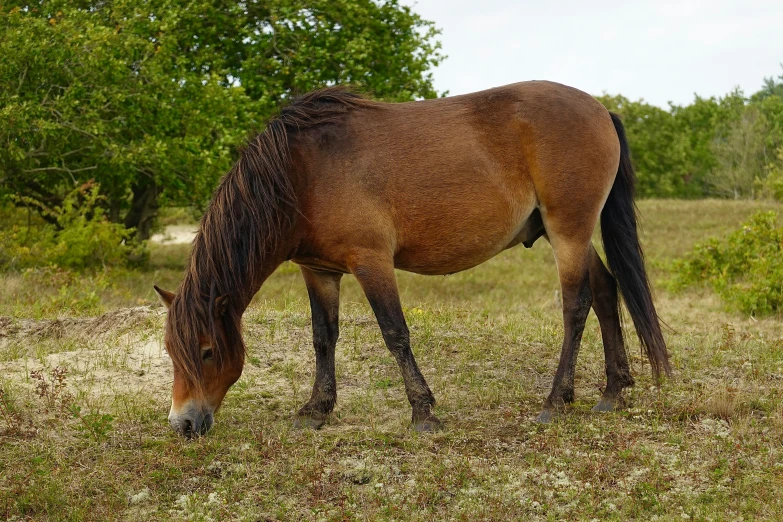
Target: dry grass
[(708, 445)]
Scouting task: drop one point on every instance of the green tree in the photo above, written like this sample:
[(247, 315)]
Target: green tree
[(655, 146), (82, 99), (745, 146), (740, 156), (151, 97), (770, 87), (712, 147)]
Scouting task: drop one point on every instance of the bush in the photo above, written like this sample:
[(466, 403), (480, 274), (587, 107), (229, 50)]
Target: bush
[(772, 186), (745, 269), (79, 236)]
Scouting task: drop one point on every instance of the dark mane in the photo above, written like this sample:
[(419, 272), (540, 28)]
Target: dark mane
[(251, 209)]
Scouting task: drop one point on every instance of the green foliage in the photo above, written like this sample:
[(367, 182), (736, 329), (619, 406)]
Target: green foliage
[(151, 97), (654, 138), (746, 269), (93, 425), (744, 148), (80, 238), (721, 147), (60, 290), (773, 185), (104, 94)]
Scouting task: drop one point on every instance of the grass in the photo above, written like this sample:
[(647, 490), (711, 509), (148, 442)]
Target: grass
[(707, 445)]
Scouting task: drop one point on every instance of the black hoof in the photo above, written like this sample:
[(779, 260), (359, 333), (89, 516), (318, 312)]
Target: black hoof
[(304, 422), (607, 405), (428, 425), (547, 416)]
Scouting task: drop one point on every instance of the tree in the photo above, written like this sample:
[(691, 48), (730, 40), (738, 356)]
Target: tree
[(745, 146), (771, 87), (713, 147), (151, 97), (740, 155), (655, 147)]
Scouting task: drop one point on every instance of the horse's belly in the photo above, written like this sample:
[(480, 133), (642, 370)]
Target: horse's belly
[(446, 260), (445, 246)]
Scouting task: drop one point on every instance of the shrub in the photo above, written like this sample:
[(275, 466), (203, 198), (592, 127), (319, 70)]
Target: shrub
[(745, 269), (772, 185), (78, 236)]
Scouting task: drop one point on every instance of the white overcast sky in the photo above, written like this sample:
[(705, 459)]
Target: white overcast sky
[(657, 50)]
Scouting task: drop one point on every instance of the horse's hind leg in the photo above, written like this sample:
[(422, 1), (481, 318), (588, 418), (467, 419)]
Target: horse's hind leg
[(572, 255), (375, 274), (324, 291), (605, 305)]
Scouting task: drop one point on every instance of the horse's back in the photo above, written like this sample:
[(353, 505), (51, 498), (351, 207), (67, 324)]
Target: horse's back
[(446, 184)]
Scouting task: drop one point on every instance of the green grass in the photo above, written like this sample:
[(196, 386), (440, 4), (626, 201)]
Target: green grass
[(707, 445)]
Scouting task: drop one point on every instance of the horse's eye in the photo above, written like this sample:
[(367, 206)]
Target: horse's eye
[(207, 354)]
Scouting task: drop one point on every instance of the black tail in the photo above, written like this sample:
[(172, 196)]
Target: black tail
[(626, 260)]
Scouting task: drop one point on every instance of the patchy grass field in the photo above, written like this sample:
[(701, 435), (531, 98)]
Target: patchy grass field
[(84, 436)]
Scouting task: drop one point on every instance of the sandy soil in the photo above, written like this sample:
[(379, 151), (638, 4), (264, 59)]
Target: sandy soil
[(176, 235), (104, 356)]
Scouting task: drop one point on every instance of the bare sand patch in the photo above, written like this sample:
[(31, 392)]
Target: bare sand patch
[(176, 235), (119, 352)]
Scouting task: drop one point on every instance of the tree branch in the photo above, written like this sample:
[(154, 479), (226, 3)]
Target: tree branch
[(60, 169)]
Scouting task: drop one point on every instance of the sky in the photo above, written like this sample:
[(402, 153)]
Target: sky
[(655, 50)]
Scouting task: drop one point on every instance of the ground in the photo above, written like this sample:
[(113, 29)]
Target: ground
[(85, 394)]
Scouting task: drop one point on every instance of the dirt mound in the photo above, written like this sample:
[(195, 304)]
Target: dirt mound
[(88, 327), (119, 352)]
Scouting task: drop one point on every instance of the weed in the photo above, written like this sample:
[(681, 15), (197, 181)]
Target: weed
[(82, 238), (723, 404), (53, 391), (729, 336), (94, 425)]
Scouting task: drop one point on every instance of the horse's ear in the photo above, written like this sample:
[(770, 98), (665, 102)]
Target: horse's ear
[(221, 306), (165, 296)]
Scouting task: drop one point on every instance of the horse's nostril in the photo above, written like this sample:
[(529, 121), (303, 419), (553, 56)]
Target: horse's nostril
[(188, 428), (207, 424)]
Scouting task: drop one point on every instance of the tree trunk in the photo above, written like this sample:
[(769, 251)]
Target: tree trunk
[(144, 209), (115, 205)]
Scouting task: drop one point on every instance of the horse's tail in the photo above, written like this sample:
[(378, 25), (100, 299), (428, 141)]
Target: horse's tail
[(626, 260)]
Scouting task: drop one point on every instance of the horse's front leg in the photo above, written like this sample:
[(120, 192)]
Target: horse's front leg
[(375, 274), (324, 291)]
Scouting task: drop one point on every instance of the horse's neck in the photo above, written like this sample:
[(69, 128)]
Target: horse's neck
[(258, 279), (254, 281)]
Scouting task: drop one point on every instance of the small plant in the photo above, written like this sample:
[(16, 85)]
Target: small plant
[(94, 425), (745, 269), (51, 290), (723, 404), (729, 340), (53, 391)]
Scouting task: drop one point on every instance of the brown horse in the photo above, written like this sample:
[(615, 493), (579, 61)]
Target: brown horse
[(339, 184)]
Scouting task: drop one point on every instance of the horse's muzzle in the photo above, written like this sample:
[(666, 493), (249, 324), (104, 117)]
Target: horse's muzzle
[(192, 424)]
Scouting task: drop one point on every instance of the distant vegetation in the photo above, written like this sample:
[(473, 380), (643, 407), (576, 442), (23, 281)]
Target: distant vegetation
[(729, 147)]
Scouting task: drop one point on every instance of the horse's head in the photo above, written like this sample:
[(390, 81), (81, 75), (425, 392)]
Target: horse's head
[(207, 353)]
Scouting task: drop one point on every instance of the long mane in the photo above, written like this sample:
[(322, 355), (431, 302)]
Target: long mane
[(252, 207)]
